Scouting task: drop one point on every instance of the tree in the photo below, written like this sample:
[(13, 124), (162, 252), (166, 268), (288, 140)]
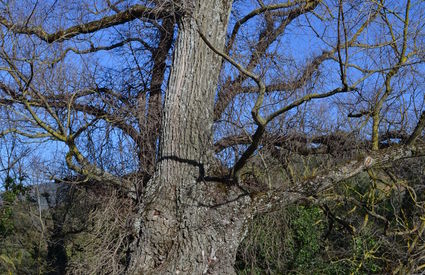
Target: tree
[(238, 95)]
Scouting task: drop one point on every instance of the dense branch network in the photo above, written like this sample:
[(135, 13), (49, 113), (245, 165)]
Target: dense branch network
[(139, 116)]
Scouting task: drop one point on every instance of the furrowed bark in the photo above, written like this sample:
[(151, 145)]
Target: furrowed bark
[(188, 224), (151, 124)]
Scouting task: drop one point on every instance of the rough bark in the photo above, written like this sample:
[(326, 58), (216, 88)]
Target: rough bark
[(150, 122), (187, 224)]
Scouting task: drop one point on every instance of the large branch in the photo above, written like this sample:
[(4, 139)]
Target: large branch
[(90, 170), (328, 144), (93, 49), (270, 199), (23, 133), (294, 143), (133, 12), (305, 99)]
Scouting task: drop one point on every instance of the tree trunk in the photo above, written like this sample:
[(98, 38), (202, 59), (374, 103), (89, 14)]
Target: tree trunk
[(186, 224)]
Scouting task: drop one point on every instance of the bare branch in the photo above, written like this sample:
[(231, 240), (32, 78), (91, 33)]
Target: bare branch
[(133, 12), (388, 77), (93, 49), (251, 15), (306, 99)]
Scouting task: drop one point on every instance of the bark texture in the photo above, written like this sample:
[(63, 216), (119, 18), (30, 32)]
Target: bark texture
[(189, 225), (150, 121)]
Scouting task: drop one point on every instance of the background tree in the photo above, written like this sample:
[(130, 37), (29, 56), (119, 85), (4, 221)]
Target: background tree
[(207, 113)]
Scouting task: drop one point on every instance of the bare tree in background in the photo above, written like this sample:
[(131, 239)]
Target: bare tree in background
[(190, 96)]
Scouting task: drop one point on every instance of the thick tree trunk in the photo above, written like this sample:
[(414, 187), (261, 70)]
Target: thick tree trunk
[(189, 225)]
